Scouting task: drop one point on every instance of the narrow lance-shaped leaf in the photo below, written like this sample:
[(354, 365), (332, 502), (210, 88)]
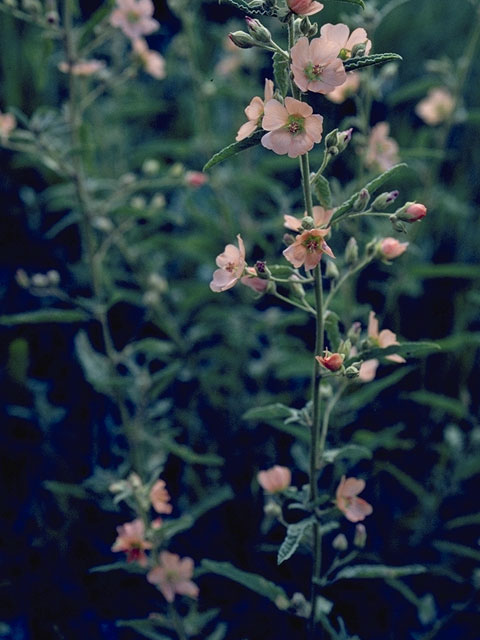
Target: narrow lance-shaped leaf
[(254, 8), (295, 533), (234, 148), (356, 64), (405, 349), (43, 316), (332, 330), (321, 188), (378, 571)]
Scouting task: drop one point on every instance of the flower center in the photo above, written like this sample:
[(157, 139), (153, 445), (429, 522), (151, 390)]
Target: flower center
[(345, 54), (230, 267), (295, 125), (312, 244), (133, 16), (314, 71)]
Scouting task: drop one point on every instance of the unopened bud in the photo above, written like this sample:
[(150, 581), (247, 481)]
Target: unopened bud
[(352, 372), (411, 212), (177, 170), (102, 223), (40, 280), (308, 223), (158, 201), (150, 167), (307, 28), (272, 509), (353, 334), (138, 202), (345, 347), (361, 201), (340, 542), (127, 178), (242, 40), (351, 251), (300, 605), (135, 480), (156, 282), (22, 278), (53, 277), (358, 50), (343, 139), (52, 18), (262, 270), (384, 200), (331, 361), (331, 141), (258, 31), (288, 239), (296, 287), (397, 225), (360, 538), (332, 272)]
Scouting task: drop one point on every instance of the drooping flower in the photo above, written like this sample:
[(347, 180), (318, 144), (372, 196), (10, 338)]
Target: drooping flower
[(344, 40), (173, 575), (315, 65), (254, 112), (82, 67), (382, 151), (382, 339), (391, 248), (232, 265), (159, 497), (331, 361), (151, 61), (345, 90), (354, 509), (321, 217), (134, 18), (260, 285), (131, 540), (275, 479), (8, 122), (308, 248), (293, 128), (304, 7), (436, 107)]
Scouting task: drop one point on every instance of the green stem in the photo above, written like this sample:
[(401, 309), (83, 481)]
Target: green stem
[(361, 265), (177, 622), (347, 216), (295, 304)]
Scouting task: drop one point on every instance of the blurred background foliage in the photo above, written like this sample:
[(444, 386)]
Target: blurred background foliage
[(194, 362)]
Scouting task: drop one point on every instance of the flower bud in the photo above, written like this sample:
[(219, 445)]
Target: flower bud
[(53, 277), (340, 542), (22, 278), (288, 239), (52, 18), (242, 40), (262, 270), (411, 212), (390, 248), (331, 142), (195, 178), (361, 201), (397, 225), (300, 605), (384, 200), (351, 251), (258, 31), (40, 280), (307, 28), (331, 361), (352, 371), (158, 201), (359, 49), (353, 334), (360, 538), (296, 287), (150, 167), (343, 139), (272, 509), (332, 272), (138, 202), (308, 223), (345, 347)]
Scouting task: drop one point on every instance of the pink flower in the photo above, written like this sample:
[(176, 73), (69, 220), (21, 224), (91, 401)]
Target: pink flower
[(308, 249), (151, 61), (391, 248), (159, 497), (260, 285), (353, 508), (344, 40), (384, 339), (321, 217), (331, 361), (195, 178), (315, 65), (173, 575), (294, 128), (382, 151), (131, 540), (304, 7), (8, 123), (83, 67), (134, 18), (232, 265), (345, 90), (275, 479), (436, 107), (254, 112)]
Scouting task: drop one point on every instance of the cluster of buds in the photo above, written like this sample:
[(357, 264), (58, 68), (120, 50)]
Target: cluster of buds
[(337, 141), (258, 36), (37, 280)]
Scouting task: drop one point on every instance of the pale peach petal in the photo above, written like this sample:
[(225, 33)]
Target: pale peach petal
[(352, 487), (386, 338), (297, 108), (326, 249), (358, 36), (321, 216), (222, 280), (372, 325), (314, 127), (337, 33), (334, 73), (300, 78), (358, 510), (295, 254), (275, 117), (231, 255), (311, 260), (246, 130), (187, 588), (294, 223), (268, 91), (277, 141), (300, 53), (254, 109), (323, 50), (368, 370), (299, 144)]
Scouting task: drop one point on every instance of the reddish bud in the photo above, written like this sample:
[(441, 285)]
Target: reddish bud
[(332, 362)]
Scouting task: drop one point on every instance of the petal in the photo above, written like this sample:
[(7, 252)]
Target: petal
[(300, 78), (357, 36), (275, 116), (312, 259), (352, 487), (299, 144), (323, 50), (300, 53), (187, 588), (315, 7), (241, 248), (246, 130), (321, 216), (334, 73), (337, 33), (368, 369), (254, 109), (294, 223), (231, 255), (372, 325), (314, 127), (387, 338), (295, 254), (297, 108), (268, 91), (222, 280), (277, 141), (358, 509)]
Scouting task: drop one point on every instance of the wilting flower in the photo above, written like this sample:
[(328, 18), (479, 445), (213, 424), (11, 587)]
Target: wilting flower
[(232, 265), (382, 151), (152, 62), (344, 40), (134, 18), (321, 217), (436, 107), (315, 65), (159, 497), (384, 339), (275, 479), (345, 90), (173, 575), (293, 128), (331, 361), (308, 248), (253, 281), (254, 112), (391, 248), (131, 540), (353, 508), (8, 123), (82, 67), (304, 7)]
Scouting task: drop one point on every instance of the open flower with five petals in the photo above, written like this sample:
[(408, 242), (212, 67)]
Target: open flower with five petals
[(352, 507), (131, 540), (232, 266), (308, 248), (316, 66), (134, 18), (173, 575), (344, 40), (254, 112)]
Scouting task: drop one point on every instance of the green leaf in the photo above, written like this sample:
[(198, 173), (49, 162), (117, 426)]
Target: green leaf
[(366, 393), (355, 64), (452, 270), (351, 451), (99, 15), (436, 401), (360, 3), (233, 149), (321, 187), (409, 483), (405, 349), (460, 341), (251, 7), (295, 533), (464, 521), (457, 549), (378, 571), (281, 73), (269, 412), (332, 330), (96, 366), (65, 489), (131, 567), (144, 628), (252, 581), (219, 632), (190, 456), (43, 316)]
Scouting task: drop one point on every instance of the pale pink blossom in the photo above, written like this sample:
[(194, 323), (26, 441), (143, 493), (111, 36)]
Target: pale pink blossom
[(159, 497), (315, 65), (232, 265), (304, 7), (391, 248), (382, 339), (82, 67), (151, 61), (275, 479), (251, 280), (173, 575), (131, 540), (436, 107), (134, 18), (321, 217), (293, 128), (254, 112), (344, 40), (8, 123), (382, 151), (345, 90), (354, 509), (308, 248)]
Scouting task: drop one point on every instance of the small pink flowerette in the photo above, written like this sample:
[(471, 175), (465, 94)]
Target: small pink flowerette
[(275, 479), (353, 508), (232, 266), (134, 18), (308, 248), (160, 498), (254, 112), (131, 540), (173, 575)]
